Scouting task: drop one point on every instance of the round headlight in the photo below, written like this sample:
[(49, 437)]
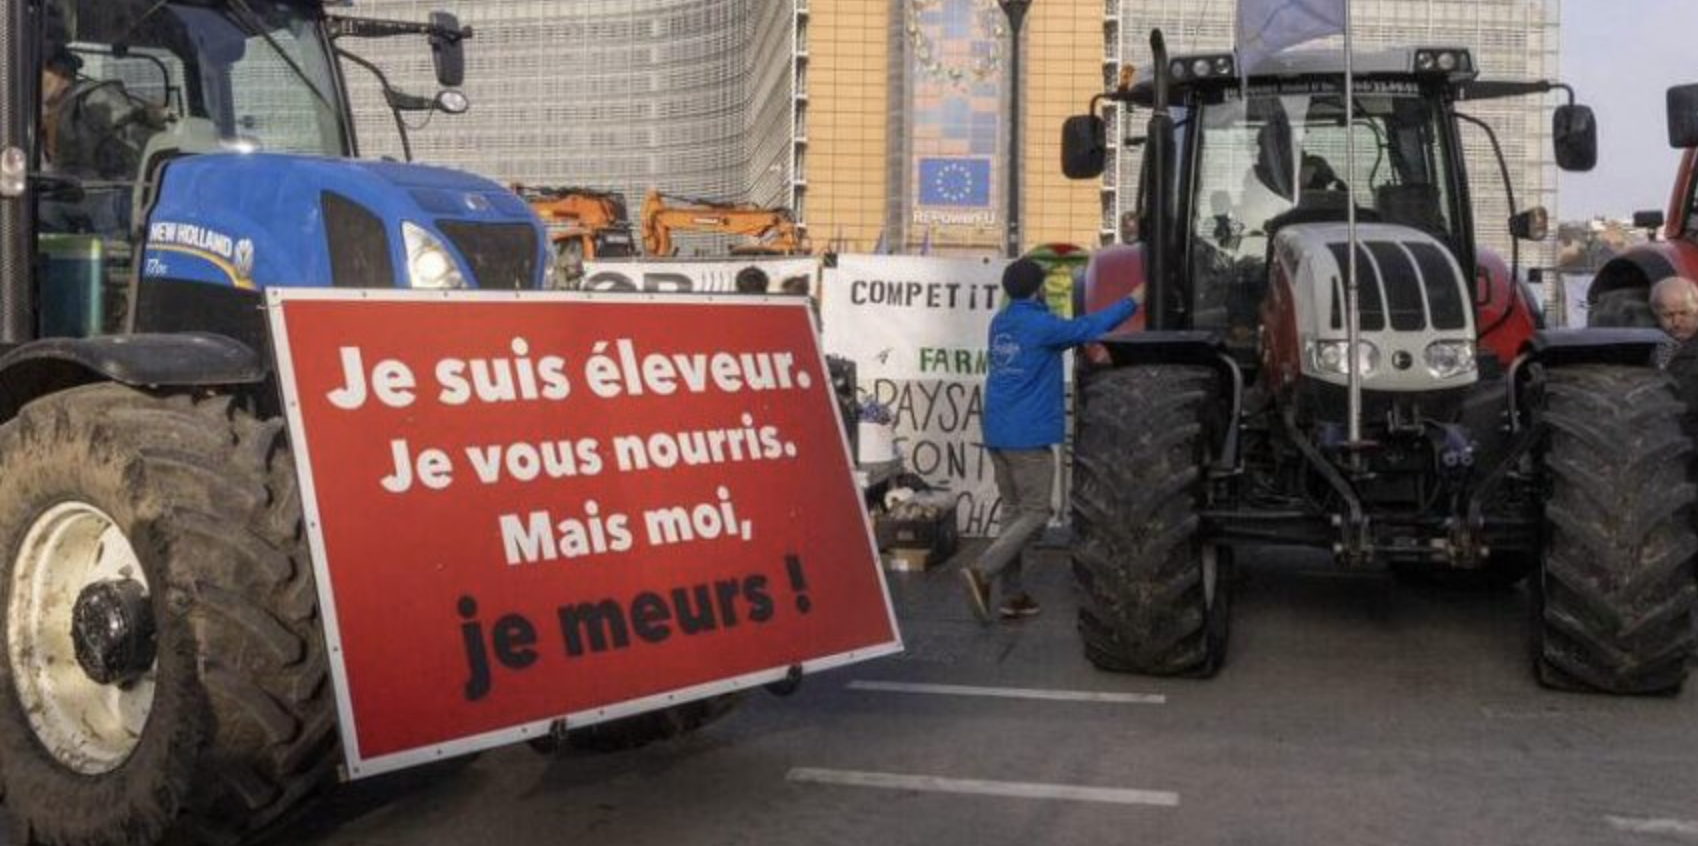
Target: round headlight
[(1424, 61), (1448, 359), (1178, 69), (1447, 61), (453, 102), (1333, 357), (1200, 67), (429, 267)]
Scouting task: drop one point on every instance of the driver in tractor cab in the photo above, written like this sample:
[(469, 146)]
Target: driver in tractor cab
[(93, 130), (1271, 187)]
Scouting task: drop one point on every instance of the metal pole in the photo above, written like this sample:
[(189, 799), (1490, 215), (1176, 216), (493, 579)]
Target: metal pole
[(1352, 296), (1016, 12)]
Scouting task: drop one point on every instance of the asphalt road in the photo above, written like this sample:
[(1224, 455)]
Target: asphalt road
[(1351, 711)]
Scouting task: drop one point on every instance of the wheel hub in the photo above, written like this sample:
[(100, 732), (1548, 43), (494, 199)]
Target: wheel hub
[(80, 638), (113, 632)]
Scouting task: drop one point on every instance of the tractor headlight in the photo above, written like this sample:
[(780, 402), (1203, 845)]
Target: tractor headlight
[(430, 267), (1449, 359), (1329, 357)]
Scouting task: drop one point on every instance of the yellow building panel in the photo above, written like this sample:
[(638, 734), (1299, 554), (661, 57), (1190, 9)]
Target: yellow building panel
[(1065, 43)]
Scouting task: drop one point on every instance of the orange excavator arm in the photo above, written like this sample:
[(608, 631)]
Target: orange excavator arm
[(585, 220), (770, 231)]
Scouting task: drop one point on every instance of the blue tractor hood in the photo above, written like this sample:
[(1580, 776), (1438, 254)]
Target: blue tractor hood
[(259, 220)]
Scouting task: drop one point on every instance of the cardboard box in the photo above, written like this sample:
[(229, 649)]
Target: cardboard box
[(913, 560), (938, 534)]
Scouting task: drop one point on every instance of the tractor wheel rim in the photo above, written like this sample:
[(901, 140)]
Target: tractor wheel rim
[(89, 727)]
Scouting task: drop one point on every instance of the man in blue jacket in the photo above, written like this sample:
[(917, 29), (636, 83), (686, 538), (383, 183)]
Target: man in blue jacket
[(1022, 424)]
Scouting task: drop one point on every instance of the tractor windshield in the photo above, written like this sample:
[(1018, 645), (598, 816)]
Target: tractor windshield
[(1280, 156), (240, 74), (128, 85)]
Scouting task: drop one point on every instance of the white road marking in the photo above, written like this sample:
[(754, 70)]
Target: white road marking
[(1680, 828), (1012, 693), (1014, 789)]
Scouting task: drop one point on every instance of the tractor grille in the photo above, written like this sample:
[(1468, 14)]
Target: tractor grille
[(1410, 286), (359, 249), (502, 256)]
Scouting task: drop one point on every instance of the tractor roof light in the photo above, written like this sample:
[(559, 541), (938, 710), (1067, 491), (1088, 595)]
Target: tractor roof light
[(1195, 68), (1449, 61)]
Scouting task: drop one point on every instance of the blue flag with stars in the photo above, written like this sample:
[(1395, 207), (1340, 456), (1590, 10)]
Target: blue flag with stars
[(959, 182)]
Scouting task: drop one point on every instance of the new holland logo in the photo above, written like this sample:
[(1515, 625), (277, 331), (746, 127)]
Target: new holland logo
[(243, 259), (235, 259)]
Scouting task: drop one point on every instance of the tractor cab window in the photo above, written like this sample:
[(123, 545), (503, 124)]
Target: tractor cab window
[(1282, 156), (129, 85)]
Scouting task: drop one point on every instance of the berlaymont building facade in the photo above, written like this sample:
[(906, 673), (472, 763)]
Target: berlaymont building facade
[(884, 124)]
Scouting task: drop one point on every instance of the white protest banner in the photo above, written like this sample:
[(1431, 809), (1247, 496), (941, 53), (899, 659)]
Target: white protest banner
[(784, 275), (916, 328)]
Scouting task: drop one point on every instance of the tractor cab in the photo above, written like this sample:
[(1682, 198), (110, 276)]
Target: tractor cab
[(128, 86), (1251, 157), (177, 156)]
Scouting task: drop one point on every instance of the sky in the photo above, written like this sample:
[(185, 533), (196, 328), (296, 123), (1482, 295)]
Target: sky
[(1621, 56)]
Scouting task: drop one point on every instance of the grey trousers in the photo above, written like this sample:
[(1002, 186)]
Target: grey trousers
[(1025, 478)]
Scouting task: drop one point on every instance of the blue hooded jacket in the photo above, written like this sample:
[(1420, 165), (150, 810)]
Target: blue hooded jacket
[(1023, 393)]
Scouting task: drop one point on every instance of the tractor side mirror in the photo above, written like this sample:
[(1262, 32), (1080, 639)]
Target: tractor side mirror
[(446, 52), (1649, 221), (1084, 147), (1683, 116), (1530, 225), (1575, 133)]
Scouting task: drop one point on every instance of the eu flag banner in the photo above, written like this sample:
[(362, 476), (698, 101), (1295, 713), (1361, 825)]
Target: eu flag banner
[(958, 182)]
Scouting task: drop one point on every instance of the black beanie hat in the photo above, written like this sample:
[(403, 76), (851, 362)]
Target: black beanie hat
[(1022, 278)]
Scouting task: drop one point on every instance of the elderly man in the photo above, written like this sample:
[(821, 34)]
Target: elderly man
[(1674, 301)]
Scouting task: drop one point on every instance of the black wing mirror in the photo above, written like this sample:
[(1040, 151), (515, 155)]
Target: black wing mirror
[(1084, 147), (1575, 133), (446, 52), (1530, 225), (1683, 116)]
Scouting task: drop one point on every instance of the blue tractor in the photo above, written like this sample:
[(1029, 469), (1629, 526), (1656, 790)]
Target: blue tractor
[(162, 163)]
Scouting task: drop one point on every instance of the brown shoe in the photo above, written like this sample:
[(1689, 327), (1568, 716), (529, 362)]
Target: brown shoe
[(978, 593), (1019, 606)]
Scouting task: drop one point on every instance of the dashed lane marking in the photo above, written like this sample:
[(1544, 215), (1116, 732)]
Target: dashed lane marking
[(1684, 829), (1011, 693), (977, 787)]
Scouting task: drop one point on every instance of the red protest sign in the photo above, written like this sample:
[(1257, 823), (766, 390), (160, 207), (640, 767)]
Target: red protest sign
[(531, 507)]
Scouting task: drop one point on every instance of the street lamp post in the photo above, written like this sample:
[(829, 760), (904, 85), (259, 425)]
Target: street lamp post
[(1016, 12)]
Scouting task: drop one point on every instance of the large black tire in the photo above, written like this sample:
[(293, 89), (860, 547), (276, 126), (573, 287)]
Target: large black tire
[(1613, 602), (241, 726), (1154, 596), (1622, 307)]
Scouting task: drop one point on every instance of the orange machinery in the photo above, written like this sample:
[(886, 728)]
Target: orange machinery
[(770, 231), (583, 223)]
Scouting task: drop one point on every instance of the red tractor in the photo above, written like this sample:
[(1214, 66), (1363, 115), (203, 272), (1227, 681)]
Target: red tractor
[(1397, 404), (1619, 292)]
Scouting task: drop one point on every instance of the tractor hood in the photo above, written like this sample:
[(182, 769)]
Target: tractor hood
[(264, 220), (1417, 318)]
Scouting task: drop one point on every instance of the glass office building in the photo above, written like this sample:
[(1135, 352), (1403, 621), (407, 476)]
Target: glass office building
[(881, 122)]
